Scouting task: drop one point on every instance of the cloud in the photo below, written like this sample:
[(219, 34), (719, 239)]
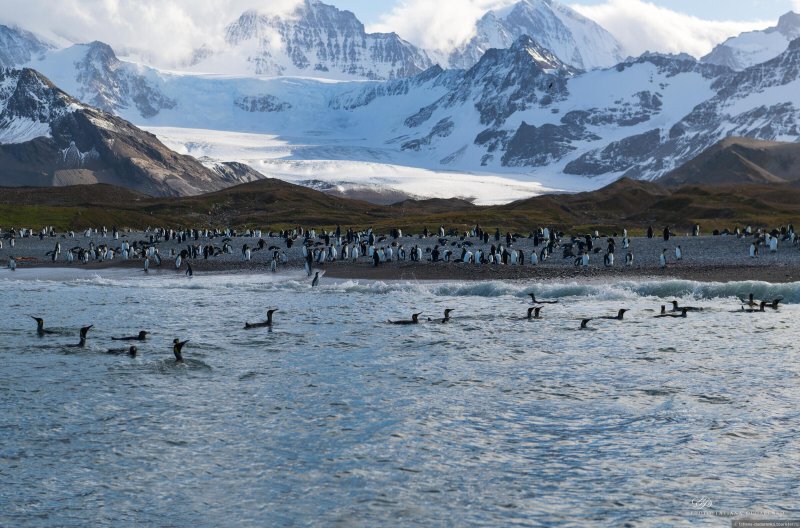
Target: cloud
[(436, 24), (165, 30), (643, 26)]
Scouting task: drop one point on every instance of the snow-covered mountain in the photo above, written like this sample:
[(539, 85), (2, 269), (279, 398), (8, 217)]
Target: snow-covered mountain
[(49, 138), (18, 47), (518, 120), (316, 40), (571, 37), (93, 74), (755, 47)]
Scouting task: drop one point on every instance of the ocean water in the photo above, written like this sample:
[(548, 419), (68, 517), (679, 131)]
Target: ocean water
[(336, 418)]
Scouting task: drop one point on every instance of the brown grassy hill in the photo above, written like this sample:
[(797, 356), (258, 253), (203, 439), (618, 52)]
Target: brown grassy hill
[(275, 204), (740, 160)]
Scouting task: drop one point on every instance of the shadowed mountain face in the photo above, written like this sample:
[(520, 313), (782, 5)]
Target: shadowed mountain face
[(18, 47), (47, 138), (316, 39), (740, 160)]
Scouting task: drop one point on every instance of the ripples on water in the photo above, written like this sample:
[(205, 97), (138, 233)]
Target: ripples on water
[(337, 418)]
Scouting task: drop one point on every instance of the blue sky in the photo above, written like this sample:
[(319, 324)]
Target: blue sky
[(370, 11)]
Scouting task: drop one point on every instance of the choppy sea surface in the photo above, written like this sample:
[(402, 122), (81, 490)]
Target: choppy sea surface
[(336, 418)]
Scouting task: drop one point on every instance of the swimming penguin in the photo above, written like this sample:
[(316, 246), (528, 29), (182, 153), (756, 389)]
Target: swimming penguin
[(414, 320), (620, 315), (266, 323), (664, 313), (533, 297), (676, 308), (760, 308), (177, 348), (774, 303), (584, 323), (131, 351), (40, 329), (141, 337), (750, 301), (533, 312), (316, 280), (82, 342), (446, 316)]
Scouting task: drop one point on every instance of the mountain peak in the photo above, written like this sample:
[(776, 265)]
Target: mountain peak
[(789, 25), (756, 47), (571, 37), (316, 39), (18, 47)]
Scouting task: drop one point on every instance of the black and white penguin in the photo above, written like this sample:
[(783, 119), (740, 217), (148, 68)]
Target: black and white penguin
[(446, 316), (620, 315), (414, 320), (82, 342), (131, 351), (533, 312), (40, 329), (142, 336), (315, 281), (267, 323), (676, 308), (177, 349)]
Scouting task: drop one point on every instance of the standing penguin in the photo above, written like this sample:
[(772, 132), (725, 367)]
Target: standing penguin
[(662, 260), (678, 253), (315, 281)]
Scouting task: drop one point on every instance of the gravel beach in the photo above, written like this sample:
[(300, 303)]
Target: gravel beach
[(705, 258)]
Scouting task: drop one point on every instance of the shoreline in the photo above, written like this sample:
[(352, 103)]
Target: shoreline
[(456, 271)]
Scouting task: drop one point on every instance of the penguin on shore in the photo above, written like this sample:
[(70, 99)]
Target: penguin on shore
[(315, 282), (414, 320), (267, 323)]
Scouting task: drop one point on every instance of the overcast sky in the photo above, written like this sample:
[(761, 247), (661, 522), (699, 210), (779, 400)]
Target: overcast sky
[(170, 29)]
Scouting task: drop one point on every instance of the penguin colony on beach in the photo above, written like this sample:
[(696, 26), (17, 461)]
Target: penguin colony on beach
[(474, 246)]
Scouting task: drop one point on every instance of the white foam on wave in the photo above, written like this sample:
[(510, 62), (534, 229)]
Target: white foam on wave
[(297, 281)]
